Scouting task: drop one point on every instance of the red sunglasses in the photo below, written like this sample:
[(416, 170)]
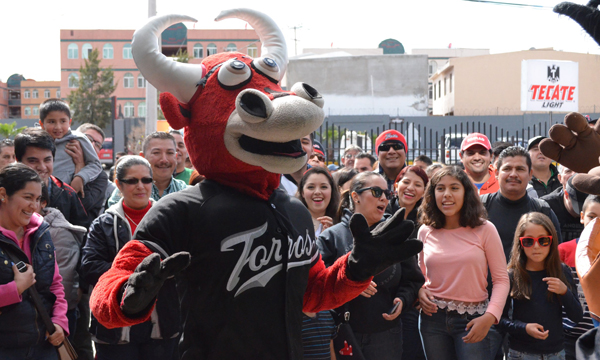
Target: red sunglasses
[(543, 241)]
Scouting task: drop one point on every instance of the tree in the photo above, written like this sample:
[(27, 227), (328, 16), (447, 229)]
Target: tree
[(182, 56), (8, 130), (91, 101)]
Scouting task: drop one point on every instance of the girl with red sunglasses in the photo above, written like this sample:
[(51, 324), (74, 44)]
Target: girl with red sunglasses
[(541, 288)]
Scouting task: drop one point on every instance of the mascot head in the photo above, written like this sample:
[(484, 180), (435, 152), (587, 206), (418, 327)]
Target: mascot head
[(241, 128)]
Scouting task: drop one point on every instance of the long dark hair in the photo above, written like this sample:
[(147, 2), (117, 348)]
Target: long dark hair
[(521, 288), (472, 213), (334, 202), (14, 177), (358, 182)]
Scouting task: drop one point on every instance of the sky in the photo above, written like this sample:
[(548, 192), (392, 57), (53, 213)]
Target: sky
[(30, 30)]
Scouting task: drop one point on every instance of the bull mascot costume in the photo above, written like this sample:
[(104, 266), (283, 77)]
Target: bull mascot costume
[(576, 145), (241, 251)]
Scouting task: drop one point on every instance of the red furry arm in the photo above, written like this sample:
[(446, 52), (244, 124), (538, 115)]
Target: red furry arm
[(104, 301), (329, 288)]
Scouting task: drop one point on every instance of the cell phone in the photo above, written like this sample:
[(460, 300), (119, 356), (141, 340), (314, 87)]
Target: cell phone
[(21, 266), (394, 308)]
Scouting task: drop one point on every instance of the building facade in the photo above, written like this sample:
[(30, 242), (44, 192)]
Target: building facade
[(114, 47), (20, 98), (491, 84)]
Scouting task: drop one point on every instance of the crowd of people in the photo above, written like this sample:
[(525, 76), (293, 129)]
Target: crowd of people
[(496, 277)]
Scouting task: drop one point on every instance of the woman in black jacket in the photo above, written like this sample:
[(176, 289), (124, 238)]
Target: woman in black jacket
[(153, 339), (376, 327)]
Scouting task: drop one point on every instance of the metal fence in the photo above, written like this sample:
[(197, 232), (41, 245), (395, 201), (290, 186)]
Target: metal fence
[(440, 143)]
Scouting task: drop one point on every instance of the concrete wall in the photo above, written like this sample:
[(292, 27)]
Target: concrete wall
[(360, 85)]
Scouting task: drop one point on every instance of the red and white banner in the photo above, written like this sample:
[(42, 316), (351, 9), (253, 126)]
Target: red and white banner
[(549, 85)]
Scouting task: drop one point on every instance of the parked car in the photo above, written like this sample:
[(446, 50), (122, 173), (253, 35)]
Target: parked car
[(452, 143), (106, 154)]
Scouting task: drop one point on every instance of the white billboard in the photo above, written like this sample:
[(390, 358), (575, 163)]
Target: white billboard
[(549, 85)]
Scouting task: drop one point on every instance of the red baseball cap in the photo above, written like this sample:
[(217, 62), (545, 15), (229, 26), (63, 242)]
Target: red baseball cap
[(390, 135), (475, 139)]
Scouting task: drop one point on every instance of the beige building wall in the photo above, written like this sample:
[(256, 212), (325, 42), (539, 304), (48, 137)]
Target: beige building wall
[(491, 84)]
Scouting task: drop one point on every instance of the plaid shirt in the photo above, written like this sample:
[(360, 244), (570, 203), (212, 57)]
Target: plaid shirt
[(174, 186)]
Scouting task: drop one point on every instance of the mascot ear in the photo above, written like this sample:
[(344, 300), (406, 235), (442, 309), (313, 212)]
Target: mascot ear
[(177, 114)]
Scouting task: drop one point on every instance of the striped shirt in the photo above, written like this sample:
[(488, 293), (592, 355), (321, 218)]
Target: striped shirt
[(317, 333)]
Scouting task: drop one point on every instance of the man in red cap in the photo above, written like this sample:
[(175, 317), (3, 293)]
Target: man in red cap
[(391, 153), (476, 156)]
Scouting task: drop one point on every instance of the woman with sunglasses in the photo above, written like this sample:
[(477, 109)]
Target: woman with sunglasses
[(459, 246), (541, 289), (156, 338), (374, 318)]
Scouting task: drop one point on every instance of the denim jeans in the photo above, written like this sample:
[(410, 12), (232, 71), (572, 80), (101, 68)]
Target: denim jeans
[(411, 338), (385, 345), (442, 335), (517, 355), (44, 351)]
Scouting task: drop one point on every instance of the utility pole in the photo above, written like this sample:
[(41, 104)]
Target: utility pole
[(151, 112), (296, 39)]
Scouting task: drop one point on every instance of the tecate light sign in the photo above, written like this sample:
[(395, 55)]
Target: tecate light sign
[(548, 85)]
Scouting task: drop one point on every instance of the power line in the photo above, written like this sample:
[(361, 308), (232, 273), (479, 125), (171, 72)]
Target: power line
[(510, 4)]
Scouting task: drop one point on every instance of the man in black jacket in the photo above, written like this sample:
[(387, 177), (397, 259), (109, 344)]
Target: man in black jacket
[(35, 148), (544, 177)]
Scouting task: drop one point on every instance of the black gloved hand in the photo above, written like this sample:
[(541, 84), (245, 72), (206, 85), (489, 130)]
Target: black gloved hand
[(375, 251), (143, 285)]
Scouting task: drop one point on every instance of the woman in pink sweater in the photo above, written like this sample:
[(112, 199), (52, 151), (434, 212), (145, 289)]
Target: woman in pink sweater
[(459, 246)]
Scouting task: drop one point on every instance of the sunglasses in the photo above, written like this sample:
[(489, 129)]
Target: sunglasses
[(96, 144), (395, 146), (319, 157), (134, 181), (376, 191), (543, 241)]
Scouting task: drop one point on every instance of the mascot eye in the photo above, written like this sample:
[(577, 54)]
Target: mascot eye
[(267, 67), (234, 74)]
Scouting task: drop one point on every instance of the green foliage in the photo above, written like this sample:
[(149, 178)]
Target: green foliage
[(8, 131), (91, 101), (182, 56)]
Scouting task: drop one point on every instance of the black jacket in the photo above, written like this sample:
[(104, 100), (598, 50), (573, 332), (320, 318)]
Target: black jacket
[(401, 280), (107, 235), (20, 324), (64, 198), (94, 196), (545, 189), (570, 226)]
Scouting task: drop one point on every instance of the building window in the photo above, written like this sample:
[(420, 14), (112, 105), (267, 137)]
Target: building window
[(445, 87), (440, 89), (434, 91), (26, 94), (127, 52), (430, 90), (141, 81), (128, 80), (27, 110), (211, 49), (73, 51), (142, 109), (36, 94), (231, 47), (252, 51), (432, 67), (73, 80), (128, 108), (198, 51), (86, 49), (107, 51), (58, 94), (450, 82), (46, 94), (36, 110)]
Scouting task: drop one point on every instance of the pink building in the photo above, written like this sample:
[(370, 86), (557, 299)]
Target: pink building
[(3, 100), (114, 47), (20, 98)]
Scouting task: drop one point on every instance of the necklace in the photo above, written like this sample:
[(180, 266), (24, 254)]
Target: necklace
[(130, 219)]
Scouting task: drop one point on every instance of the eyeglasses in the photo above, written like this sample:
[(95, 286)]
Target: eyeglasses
[(96, 144), (319, 157), (349, 156), (543, 241), (376, 191), (134, 181), (395, 146)]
